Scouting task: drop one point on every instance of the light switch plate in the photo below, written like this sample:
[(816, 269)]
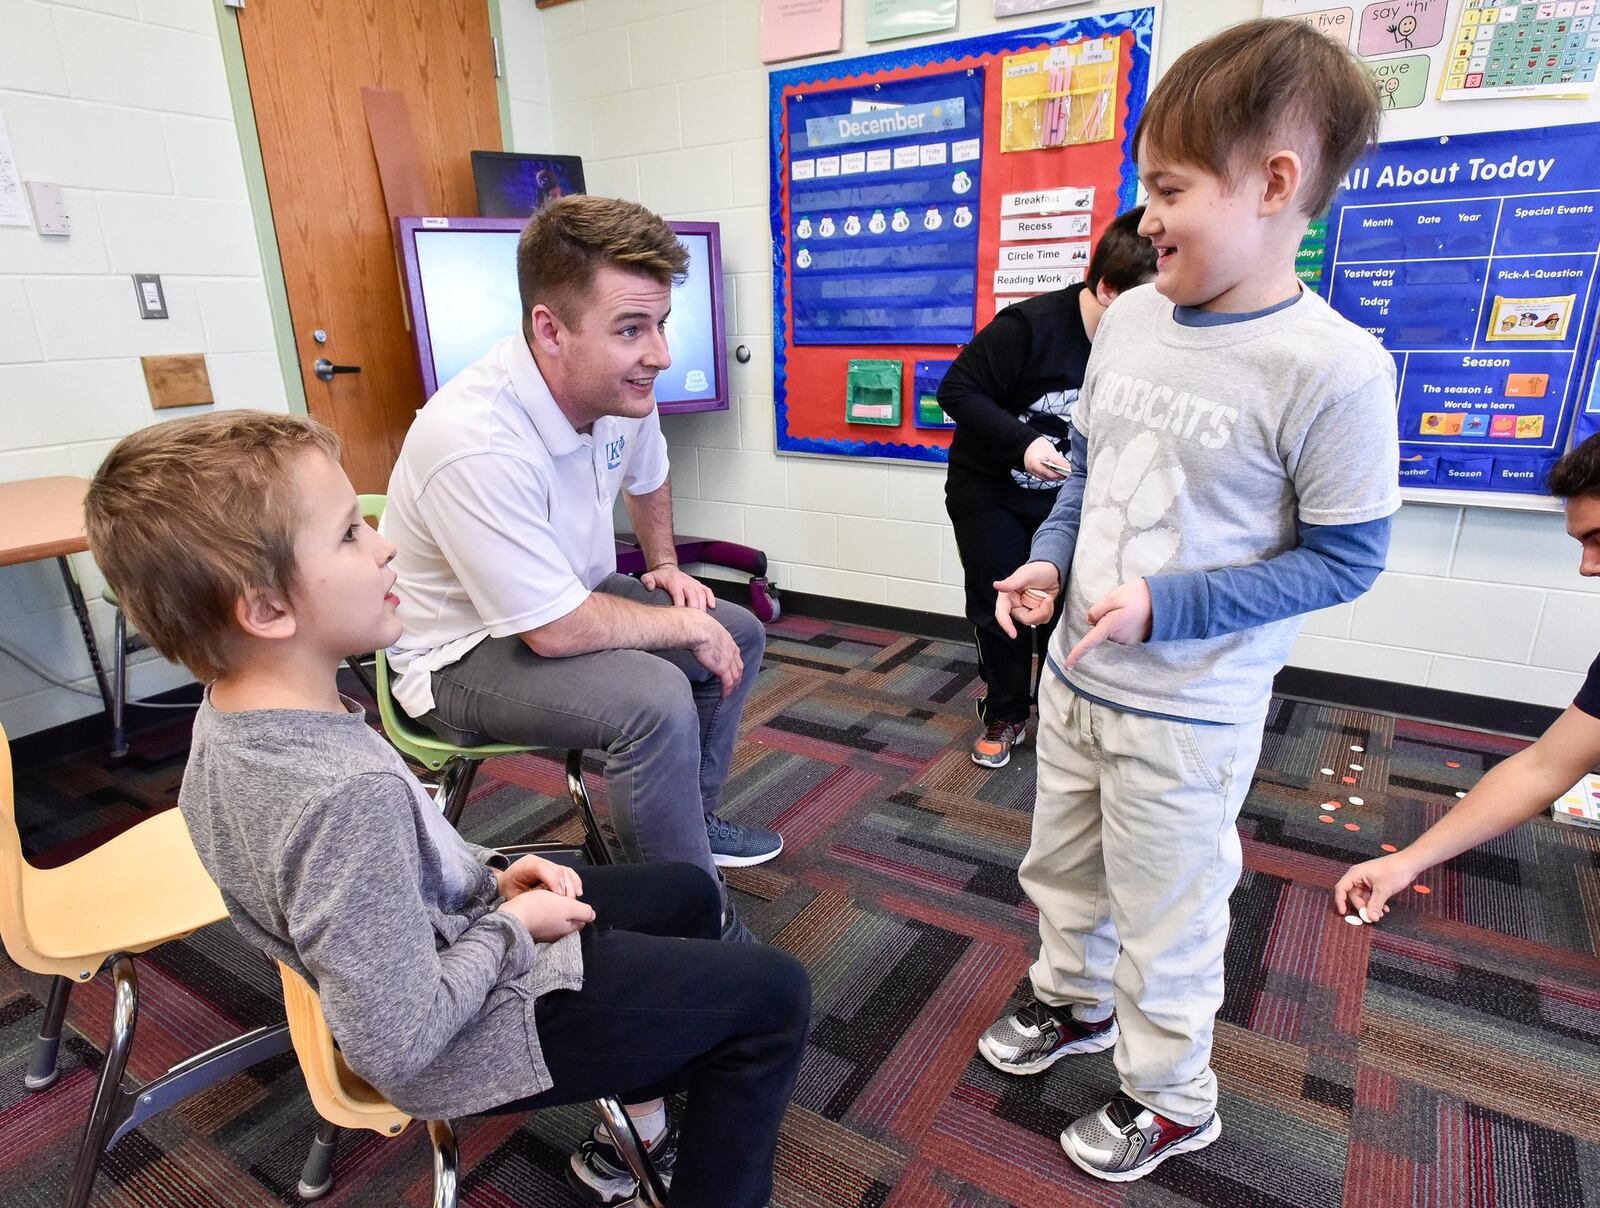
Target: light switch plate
[(152, 301), (50, 215)]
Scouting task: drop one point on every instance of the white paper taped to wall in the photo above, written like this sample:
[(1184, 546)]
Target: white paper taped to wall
[(13, 201)]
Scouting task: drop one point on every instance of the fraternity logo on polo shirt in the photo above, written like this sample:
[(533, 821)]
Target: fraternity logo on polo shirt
[(614, 450)]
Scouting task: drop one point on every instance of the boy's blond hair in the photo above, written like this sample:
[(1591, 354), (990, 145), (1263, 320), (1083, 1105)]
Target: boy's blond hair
[(185, 517), (569, 240), (1262, 82)]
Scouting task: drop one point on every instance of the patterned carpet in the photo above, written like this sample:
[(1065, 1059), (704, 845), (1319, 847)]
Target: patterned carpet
[(1450, 1057)]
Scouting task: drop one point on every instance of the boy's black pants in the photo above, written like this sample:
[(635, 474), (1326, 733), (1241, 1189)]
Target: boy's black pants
[(993, 537), (666, 1006)]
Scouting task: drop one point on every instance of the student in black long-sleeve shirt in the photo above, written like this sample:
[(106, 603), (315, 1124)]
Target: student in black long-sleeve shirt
[(1011, 393)]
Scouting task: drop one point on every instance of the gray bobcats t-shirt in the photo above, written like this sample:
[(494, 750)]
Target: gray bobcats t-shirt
[(1205, 446)]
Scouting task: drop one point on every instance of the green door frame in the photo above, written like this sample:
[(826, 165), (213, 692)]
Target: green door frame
[(255, 176)]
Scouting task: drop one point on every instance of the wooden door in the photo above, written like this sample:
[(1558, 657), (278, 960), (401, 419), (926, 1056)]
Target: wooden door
[(307, 62)]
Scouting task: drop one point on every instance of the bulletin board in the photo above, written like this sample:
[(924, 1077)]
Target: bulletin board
[(915, 193), (1473, 259), (1435, 264)]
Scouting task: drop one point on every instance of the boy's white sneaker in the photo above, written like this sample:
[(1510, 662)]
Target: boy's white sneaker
[(1036, 1036), (598, 1173), (1125, 1140)]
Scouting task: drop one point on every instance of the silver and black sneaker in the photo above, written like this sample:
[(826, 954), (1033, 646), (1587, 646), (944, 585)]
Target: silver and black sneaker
[(1036, 1036), (598, 1173), (1125, 1140)]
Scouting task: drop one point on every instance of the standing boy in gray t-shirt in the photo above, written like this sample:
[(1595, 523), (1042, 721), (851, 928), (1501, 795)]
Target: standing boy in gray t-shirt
[(1235, 466)]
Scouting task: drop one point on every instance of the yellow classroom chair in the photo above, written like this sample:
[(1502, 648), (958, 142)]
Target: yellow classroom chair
[(344, 1100), (137, 890)]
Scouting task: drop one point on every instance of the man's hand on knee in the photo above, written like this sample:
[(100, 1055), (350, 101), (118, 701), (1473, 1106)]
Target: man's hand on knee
[(718, 653), (686, 591)]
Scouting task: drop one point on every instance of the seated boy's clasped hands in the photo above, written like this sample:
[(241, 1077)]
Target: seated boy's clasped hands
[(543, 896)]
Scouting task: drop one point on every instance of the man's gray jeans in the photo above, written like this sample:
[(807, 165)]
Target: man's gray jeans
[(660, 717)]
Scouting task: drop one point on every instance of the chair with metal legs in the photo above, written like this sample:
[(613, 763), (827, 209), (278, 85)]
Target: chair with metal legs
[(458, 765), (344, 1100), (140, 889)]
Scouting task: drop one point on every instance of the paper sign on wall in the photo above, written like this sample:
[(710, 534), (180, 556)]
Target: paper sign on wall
[(1062, 226), (13, 203), (1015, 8), (1045, 255), (793, 29), (902, 18), (1046, 201), (1032, 280)]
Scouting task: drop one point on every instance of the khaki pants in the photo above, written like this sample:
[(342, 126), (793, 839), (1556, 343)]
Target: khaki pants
[(1133, 855)]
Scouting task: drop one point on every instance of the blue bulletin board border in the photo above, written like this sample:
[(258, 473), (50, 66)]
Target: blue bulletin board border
[(1141, 22)]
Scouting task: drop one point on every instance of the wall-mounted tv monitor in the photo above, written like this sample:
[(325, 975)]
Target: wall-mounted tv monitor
[(461, 278), (514, 185)]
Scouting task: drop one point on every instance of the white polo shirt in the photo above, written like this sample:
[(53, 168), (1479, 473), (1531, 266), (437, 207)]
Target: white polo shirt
[(501, 513)]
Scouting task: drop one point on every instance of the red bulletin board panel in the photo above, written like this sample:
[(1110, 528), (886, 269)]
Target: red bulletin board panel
[(810, 378)]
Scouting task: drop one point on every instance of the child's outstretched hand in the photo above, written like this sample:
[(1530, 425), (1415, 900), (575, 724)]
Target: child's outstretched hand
[(548, 916), (533, 872), (1123, 614), (1369, 886), (1028, 594)]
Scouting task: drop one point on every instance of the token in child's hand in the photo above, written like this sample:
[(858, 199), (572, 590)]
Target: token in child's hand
[(1364, 916)]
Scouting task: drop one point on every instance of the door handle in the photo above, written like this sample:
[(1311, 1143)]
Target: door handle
[(325, 369)]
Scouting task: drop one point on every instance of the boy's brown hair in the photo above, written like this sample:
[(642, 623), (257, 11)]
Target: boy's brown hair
[(185, 517), (569, 240), (1123, 258), (1258, 82), (1578, 471)]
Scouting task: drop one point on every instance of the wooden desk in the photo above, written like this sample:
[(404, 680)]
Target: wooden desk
[(43, 518)]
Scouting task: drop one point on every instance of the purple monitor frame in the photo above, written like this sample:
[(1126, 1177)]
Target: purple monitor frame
[(698, 380)]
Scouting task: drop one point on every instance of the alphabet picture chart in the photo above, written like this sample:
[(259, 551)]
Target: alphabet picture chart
[(1473, 258), (1527, 49), (883, 200)]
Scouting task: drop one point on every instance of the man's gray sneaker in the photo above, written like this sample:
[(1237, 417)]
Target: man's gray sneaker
[(1036, 1036), (598, 1173), (1125, 1140), (735, 846), (733, 929)]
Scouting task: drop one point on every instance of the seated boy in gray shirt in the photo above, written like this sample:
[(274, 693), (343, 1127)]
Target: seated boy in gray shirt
[(455, 981)]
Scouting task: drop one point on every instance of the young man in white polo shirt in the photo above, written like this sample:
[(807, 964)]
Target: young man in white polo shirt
[(517, 626)]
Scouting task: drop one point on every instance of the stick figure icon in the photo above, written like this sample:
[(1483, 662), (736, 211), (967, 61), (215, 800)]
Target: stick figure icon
[(1403, 29)]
